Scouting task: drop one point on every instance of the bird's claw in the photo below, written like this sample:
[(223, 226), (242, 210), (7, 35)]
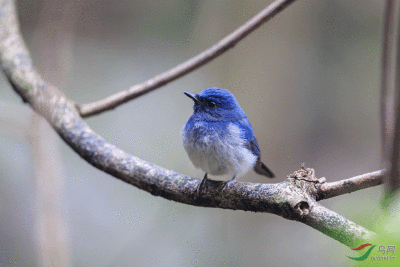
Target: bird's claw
[(228, 183), (201, 185)]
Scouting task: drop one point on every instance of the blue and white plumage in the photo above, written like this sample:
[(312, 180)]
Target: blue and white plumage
[(219, 138)]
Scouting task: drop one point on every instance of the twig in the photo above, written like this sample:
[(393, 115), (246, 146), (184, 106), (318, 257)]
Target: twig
[(90, 109), (334, 189)]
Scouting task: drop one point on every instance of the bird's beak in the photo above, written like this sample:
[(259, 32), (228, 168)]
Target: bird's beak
[(193, 96)]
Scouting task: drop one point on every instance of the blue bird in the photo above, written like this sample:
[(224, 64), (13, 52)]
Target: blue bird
[(219, 139)]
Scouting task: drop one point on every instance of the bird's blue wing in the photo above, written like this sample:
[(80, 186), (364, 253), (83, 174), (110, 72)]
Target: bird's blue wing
[(248, 134), (252, 144)]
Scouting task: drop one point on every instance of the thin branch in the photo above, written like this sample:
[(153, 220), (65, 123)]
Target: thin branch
[(13, 129), (52, 242), (292, 199), (214, 51), (334, 189)]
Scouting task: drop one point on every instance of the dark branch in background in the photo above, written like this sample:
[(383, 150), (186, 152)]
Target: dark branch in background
[(216, 50), (387, 90), (390, 101), (294, 199)]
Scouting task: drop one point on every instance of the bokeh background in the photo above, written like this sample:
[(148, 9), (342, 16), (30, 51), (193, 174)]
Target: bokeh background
[(308, 80)]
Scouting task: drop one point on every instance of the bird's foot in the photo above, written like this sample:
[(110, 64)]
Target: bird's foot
[(228, 183), (201, 185)]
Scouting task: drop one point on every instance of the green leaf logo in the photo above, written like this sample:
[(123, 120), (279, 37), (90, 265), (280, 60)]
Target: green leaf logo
[(366, 254)]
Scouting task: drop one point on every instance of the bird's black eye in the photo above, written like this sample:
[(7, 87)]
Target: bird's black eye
[(211, 104)]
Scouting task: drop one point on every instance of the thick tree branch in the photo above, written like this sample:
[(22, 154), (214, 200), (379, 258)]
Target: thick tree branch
[(182, 69), (293, 199)]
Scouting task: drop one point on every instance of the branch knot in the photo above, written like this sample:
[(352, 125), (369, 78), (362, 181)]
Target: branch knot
[(307, 174)]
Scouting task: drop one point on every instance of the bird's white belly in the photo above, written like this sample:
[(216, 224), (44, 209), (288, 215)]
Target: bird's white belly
[(219, 154)]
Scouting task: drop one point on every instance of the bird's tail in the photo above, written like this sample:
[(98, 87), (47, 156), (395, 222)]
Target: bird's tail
[(260, 168)]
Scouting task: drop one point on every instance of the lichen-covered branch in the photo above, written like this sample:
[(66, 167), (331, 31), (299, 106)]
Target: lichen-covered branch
[(184, 68), (336, 226), (293, 199)]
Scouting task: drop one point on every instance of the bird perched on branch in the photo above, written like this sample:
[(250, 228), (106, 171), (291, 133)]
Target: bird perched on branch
[(219, 138)]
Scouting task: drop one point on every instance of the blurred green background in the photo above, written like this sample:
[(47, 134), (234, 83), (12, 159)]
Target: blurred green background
[(308, 80)]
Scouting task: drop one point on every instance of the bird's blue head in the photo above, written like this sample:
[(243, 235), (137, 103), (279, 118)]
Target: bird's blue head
[(216, 104)]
